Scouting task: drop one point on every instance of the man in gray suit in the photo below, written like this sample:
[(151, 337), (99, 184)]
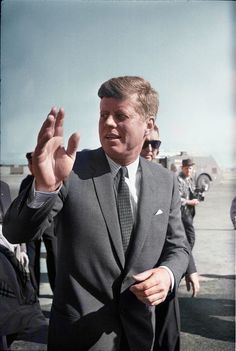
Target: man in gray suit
[(107, 286)]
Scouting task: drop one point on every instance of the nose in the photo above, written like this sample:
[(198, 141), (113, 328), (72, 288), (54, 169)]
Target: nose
[(149, 147), (110, 121)]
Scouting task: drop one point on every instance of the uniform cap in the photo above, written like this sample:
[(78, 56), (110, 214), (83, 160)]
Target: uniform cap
[(187, 162)]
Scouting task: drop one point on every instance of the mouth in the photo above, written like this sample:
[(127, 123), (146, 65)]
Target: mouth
[(112, 136)]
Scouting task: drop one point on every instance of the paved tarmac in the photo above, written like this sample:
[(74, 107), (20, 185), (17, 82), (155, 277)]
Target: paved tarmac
[(208, 321)]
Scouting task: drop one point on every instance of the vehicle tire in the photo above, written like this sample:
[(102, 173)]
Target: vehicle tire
[(203, 182)]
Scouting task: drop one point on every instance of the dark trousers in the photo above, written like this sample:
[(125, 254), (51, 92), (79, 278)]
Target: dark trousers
[(33, 251), (167, 326), (189, 229)]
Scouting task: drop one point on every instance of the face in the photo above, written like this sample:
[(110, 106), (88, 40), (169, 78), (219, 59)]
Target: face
[(122, 129), (30, 166), (187, 171), (148, 152)]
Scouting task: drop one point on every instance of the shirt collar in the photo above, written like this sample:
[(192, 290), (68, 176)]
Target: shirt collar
[(132, 167)]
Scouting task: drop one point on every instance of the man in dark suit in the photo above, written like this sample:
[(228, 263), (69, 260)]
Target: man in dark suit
[(5, 199), (111, 274), (167, 313), (150, 150), (20, 313)]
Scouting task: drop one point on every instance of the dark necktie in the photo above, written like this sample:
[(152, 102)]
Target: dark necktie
[(124, 208)]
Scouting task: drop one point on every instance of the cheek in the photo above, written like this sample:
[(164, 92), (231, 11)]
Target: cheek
[(138, 131), (100, 125), (144, 152)]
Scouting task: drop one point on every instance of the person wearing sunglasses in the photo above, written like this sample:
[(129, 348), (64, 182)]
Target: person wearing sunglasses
[(151, 145), (168, 313)]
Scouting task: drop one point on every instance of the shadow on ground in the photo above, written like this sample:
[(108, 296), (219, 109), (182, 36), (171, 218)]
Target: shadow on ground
[(212, 313)]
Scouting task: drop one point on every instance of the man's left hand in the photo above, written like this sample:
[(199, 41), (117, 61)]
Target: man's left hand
[(152, 286), (192, 281)]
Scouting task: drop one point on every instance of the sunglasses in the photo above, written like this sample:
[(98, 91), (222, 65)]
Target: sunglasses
[(155, 144)]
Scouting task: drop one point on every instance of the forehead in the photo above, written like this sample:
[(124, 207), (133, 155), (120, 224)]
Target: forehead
[(111, 103), (153, 135)]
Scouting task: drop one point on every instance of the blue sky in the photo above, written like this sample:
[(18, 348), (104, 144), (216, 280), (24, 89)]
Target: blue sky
[(59, 53)]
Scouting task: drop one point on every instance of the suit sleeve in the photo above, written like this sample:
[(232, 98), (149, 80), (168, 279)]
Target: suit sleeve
[(22, 223), (191, 266)]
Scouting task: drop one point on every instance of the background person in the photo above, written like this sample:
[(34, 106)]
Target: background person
[(168, 313), (150, 151), (19, 250), (111, 273), (151, 145), (188, 201), (21, 317)]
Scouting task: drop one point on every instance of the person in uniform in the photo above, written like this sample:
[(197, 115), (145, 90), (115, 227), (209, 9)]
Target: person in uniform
[(188, 201)]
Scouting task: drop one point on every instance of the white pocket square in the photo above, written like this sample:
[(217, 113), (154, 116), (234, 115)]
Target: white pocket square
[(158, 212)]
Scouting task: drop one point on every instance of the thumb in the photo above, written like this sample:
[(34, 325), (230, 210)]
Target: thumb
[(73, 145), (143, 276)]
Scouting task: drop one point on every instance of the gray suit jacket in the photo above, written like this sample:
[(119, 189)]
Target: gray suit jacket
[(92, 303)]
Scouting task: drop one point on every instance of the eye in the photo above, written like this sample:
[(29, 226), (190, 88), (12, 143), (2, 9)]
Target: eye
[(104, 115), (121, 116)]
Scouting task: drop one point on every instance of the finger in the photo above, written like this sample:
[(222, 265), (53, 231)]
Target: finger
[(187, 285), (142, 292), (153, 300), (147, 289), (143, 286), (59, 123), (143, 276), (47, 130), (194, 291), (73, 145)]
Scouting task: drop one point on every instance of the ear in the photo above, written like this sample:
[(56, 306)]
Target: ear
[(149, 126)]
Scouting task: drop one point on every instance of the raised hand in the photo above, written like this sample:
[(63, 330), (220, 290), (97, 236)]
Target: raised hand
[(52, 163)]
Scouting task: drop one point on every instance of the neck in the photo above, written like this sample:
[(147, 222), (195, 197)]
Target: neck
[(121, 161), (124, 161)]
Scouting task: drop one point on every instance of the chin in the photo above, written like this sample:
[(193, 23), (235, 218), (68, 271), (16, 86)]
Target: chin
[(149, 158), (112, 149)]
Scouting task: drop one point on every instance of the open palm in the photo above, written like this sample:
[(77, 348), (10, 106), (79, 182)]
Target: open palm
[(52, 163)]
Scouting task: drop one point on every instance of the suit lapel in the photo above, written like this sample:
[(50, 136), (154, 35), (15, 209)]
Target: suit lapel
[(148, 203), (106, 198)]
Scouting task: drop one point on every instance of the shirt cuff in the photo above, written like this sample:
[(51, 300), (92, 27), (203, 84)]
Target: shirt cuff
[(171, 277), (37, 199)]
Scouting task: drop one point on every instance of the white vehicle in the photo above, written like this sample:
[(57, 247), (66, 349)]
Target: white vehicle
[(206, 169)]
